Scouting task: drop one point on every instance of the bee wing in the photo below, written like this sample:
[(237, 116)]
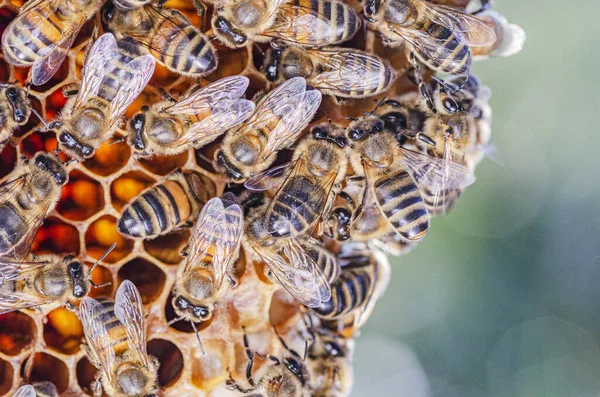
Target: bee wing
[(7, 188), (228, 241), (203, 236), (133, 79), (270, 178), (17, 270), (129, 311), (436, 172), (50, 58), (299, 275), (475, 31), (232, 87), (293, 122), (225, 114), (344, 69), (25, 391), (96, 67), (91, 313)]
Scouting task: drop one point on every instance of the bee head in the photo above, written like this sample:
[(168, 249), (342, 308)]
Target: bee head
[(226, 33), (68, 141), (137, 137), (297, 368), (51, 165), (322, 133), (231, 171), (78, 278), (363, 127), (194, 313), (19, 103), (371, 8)]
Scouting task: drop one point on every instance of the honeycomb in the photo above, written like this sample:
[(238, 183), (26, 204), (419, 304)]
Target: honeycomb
[(44, 344)]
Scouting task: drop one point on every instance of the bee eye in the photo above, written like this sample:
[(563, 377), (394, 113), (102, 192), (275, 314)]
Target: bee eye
[(11, 94), (450, 105)]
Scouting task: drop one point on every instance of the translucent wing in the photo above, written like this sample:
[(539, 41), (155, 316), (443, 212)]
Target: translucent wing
[(129, 311), (291, 124), (474, 30), (97, 66), (25, 391), (18, 270), (133, 79), (50, 58), (436, 172), (228, 88), (299, 274), (270, 178), (228, 243), (93, 319), (225, 114), (7, 188), (343, 69)]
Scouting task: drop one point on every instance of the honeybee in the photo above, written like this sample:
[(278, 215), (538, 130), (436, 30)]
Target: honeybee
[(37, 389), (391, 173), (285, 377), (168, 205), (43, 32), (115, 333), (15, 109), (439, 36), (279, 118), (211, 255), (166, 34), (90, 118), (169, 128), (510, 37), (29, 195), (308, 184), (341, 72), (295, 265), (302, 22), (42, 280)]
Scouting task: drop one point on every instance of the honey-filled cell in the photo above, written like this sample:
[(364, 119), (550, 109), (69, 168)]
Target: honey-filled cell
[(209, 370), (103, 279), (17, 333), (63, 331), (56, 237), (101, 235), (164, 165), (108, 158), (86, 374), (167, 248), (8, 160), (81, 198), (147, 277), (7, 374), (47, 367), (170, 358), (128, 186)]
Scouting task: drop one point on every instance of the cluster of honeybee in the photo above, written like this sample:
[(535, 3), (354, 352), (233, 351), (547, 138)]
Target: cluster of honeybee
[(319, 221)]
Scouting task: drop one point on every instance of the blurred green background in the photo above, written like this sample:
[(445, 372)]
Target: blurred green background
[(503, 296)]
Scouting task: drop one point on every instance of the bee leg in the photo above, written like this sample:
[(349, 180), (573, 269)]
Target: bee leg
[(232, 385), (97, 386), (201, 10), (250, 356), (285, 346), (166, 95), (418, 75)]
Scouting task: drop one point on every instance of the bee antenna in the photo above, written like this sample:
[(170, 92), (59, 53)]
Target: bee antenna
[(108, 251), (350, 118), (378, 106), (198, 337), (115, 141), (69, 161), (46, 125)]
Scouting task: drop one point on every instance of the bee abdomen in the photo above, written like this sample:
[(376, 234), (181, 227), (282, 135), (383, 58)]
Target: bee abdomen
[(156, 211), (116, 330), (403, 206), (294, 209), (21, 46), (349, 292), (456, 57), (10, 228)]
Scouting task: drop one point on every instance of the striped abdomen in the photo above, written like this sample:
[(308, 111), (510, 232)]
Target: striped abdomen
[(19, 43), (326, 261), (453, 55), (157, 211), (296, 208), (352, 290), (128, 51), (343, 22), (401, 203), (441, 202), (116, 331), (12, 229), (180, 46)]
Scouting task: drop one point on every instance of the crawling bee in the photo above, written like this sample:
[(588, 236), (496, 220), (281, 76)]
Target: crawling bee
[(37, 389), (29, 195), (341, 72), (279, 118), (170, 127), (316, 23), (15, 109), (44, 280), (90, 118), (115, 333), (43, 32), (307, 185)]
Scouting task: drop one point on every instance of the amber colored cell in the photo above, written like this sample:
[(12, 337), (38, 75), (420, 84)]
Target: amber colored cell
[(283, 308), (205, 156), (167, 248), (6, 376), (164, 165), (148, 278), (46, 367), (17, 331), (101, 235), (231, 62), (258, 84), (108, 158), (81, 197), (170, 358), (8, 158), (209, 371), (126, 187), (63, 331), (86, 374), (101, 276), (55, 236)]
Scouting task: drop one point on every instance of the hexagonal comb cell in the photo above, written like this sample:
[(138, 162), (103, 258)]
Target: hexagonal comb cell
[(164, 165), (128, 186), (8, 158), (86, 374), (101, 276), (7, 374), (17, 331), (170, 358), (81, 198), (101, 234), (210, 370), (46, 367), (167, 248), (63, 331), (55, 236), (147, 277), (108, 158)]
